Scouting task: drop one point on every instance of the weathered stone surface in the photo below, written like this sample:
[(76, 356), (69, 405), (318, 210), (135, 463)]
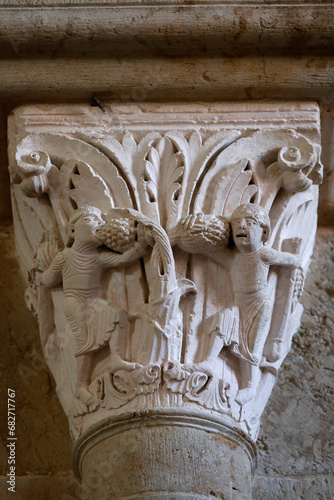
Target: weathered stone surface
[(314, 488), (58, 486), (326, 192), (161, 28), (219, 201), (43, 444), (295, 460), (5, 205), (155, 79), (171, 455), (267, 31), (172, 50), (297, 436)]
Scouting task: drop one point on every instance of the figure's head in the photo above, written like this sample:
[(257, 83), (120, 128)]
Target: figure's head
[(250, 227), (83, 224)]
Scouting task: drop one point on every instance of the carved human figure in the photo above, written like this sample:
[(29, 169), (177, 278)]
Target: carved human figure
[(249, 264), (80, 267)]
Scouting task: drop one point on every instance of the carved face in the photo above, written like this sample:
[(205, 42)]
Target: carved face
[(85, 228), (247, 234)]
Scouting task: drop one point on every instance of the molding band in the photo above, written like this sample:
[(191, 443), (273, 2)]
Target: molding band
[(200, 420)]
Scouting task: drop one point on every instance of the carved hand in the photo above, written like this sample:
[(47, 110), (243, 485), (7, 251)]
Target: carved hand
[(190, 220), (298, 264), (144, 236), (38, 278)]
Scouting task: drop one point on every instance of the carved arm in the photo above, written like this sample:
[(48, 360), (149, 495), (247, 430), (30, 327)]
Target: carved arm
[(222, 257), (111, 259), (53, 275), (275, 257)]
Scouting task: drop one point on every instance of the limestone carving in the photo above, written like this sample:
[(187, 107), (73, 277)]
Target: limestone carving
[(243, 327), (165, 258), (79, 268)]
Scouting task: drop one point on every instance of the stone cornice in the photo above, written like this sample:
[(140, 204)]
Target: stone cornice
[(149, 79), (175, 29), (152, 3)]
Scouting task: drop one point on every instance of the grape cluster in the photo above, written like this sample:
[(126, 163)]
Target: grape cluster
[(299, 284), (208, 233), (216, 230), (118, 234)]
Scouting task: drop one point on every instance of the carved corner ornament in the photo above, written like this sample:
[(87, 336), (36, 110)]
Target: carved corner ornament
[(165, 249)]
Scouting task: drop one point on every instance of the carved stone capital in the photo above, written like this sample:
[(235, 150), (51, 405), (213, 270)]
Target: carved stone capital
[(165, 248)]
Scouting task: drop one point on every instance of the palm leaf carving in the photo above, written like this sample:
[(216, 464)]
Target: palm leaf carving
[(233, 189), (261, 148), (64, 192), (151, 175), (162, 178), (176, 170), (197, 154), (130, 157), (87, 187), (162, 172)]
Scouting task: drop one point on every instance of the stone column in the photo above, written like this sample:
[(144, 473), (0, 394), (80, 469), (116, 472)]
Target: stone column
[(165, 453), (166, 247)]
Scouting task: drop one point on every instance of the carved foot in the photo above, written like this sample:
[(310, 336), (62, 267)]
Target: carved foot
[(245, 395), (84, 396), (178, 371), (117, 363), (205, 366), (78, 408)]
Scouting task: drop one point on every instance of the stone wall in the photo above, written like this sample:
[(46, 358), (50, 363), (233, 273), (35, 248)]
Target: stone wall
[(296, 440), (56, 51)]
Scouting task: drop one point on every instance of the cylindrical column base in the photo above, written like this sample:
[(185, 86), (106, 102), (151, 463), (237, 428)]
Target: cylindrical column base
[(164, 454)]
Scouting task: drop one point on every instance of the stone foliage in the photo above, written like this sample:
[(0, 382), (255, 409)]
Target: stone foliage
[(165, 262)]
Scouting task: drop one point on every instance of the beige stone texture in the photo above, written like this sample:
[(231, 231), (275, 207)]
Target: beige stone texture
[(129, 51), (296, 439), (41, 423), (297, 435), (60, 486), (171, 455), (148, 357), (69, 51)]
